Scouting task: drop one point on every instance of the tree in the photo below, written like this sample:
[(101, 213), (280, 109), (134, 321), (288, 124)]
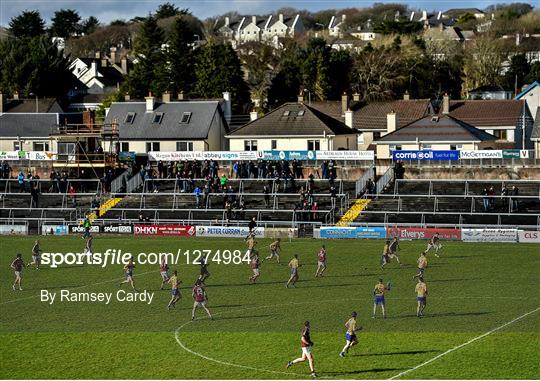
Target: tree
[(517, 72), (27, 24), (180, 56), (482, 63), (33, 65), (286, 85), (218, 69), (397, 27), (118, 22), (315, 68), (150, 73), (90, 25), (169, 10), (65, 23), (534, 74)]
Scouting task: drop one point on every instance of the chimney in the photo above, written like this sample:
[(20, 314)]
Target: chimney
[(439, 15), (227, 21), (446, 104), (1, 103), (88, 118), (98, 55), (150, 103), (127, 98), (253, 115), (349, 118), (113, 54), (181, 96), (166, 97), (123, 64), (93, 68), (227, 106), (343, 17), (518, 39), (16, 96), (412, 16), (254, 19), (281, 17), (406, 96), (344, 103), (300, 98), (391, 121), (103, 62), (424, 15), (356, 97)]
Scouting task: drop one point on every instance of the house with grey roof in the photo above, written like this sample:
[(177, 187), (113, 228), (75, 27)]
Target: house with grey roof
[(293, 126), (170, 125), (434, 132), (535, 136)]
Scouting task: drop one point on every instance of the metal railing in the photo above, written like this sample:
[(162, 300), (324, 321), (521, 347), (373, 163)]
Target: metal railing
[(384, 180), (399, 184), (362, 181)]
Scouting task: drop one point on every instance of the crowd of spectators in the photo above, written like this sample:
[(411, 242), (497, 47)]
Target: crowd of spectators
[(508, 194)]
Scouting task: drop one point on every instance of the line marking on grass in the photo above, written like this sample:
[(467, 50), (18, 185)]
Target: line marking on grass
[(464, 344), (73, 288)]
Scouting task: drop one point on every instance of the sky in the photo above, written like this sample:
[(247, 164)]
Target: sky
[(107, 10)]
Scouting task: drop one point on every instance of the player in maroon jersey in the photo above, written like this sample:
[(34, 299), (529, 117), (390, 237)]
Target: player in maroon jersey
[(306, 344), (164, 271), (321, 266), (200, 299), (255, 263)]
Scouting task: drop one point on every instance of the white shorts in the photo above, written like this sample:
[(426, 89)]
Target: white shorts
[(273, 253), (36, 258), (306, 351), (164, 275), (391, 255), (255, 272), (322, 263), (18, 274), (199, 304)]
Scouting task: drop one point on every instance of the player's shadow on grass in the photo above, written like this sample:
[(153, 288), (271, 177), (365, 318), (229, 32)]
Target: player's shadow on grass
[(452, 280), (243, 317), (373, 370), (393, 353), (428, 315)]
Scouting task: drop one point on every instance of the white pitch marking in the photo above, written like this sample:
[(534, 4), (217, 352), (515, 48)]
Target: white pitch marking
[(463, 345)]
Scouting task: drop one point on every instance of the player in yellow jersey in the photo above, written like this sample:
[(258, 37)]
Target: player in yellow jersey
[(378, 297), (175, 292), (350, 335), (422, 264), (385, 258), (294, 265), (421, 294), (275, 249)]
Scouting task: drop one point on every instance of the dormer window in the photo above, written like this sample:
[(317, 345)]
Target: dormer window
[(158, 116), (130, 117), (286, 113), (186, 117), (301, 112)]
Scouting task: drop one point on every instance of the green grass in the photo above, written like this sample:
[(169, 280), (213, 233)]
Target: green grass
[(473, 288)]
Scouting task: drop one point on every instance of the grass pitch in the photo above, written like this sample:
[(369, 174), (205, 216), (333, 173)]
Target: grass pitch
[(473, 289)]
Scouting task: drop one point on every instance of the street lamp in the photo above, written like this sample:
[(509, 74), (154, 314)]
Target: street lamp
[(37, 103), (309, 96)]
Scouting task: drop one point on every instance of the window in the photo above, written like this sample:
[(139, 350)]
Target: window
[(500, 134), (158, 116), (313, 145), (286, 113), (185, 118), (152, 146), (456, 147), (250, 145), (426, 146), (301, 112), (394, 147), (130, 117), (124, 146), (376, 135), (274, 144), (41, 146), (184, 146), (16, 146)]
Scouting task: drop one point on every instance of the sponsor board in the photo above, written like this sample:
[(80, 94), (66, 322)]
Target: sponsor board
[(489, 235), (202, 155), (54, 229), (28, 155), (286, 155), (423, 233), (13, 229), (481, 154), (525, 236), (345, 155), (79, 229), (127, 156), (515, 154), (227, 231), (353, 232), (117, 229), (165, 230), (425, 155)]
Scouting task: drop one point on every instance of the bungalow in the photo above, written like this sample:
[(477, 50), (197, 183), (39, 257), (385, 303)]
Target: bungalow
[(293, 126), (432, 132), (170, 125)]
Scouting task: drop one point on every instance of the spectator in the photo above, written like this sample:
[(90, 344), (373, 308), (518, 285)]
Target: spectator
[(161, 169), (34, 191), (72, 194), (20, 180), (485, 199), (333, 197), (197, 193), (236, 169), (505, 193), (266, 192), (399, 171), (324, 169), (314, 209), (252, 225), (491, 192), (223, 181), (515, 194), (370, 187)]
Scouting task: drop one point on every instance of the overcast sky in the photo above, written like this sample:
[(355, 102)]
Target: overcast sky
[(107, 10)]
